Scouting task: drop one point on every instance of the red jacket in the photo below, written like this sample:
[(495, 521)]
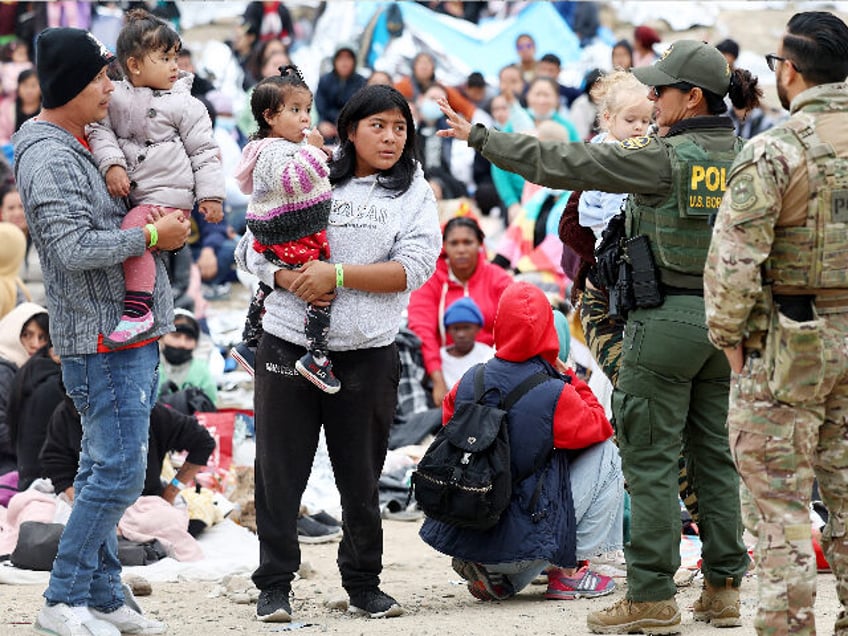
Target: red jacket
[(525, 329), (428, 303)]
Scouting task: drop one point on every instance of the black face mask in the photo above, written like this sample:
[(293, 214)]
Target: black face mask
[(177, 355)]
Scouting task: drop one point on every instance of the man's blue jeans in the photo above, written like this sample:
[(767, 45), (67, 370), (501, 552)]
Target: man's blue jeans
[(114, 393)]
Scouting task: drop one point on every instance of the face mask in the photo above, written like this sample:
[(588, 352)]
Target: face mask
[(225, 123), (177, 355), (430, 110)]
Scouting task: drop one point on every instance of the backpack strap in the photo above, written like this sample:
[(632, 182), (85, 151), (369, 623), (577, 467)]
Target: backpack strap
[(525, 387), (478, 382)]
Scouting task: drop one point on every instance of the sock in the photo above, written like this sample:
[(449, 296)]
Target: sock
[(319, 358), (137, 303)]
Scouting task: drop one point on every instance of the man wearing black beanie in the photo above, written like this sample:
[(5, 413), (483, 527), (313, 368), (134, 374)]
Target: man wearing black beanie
[(76, 229)]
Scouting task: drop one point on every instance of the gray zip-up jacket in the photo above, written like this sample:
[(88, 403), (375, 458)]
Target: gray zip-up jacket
[(76, 228), (368, 224)]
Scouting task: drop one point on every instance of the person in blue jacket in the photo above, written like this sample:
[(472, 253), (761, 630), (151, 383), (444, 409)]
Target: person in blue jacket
[(578, 513)]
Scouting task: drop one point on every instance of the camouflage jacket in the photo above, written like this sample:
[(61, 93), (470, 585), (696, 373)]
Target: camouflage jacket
[(767, 187)]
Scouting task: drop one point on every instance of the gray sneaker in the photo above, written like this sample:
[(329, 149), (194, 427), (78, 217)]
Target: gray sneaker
[(128, 621), (64, 620)]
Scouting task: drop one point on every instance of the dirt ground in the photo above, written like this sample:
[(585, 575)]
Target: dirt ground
[(435, 600)]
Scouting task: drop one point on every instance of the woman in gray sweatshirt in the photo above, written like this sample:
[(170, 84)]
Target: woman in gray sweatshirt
[(384, 237)]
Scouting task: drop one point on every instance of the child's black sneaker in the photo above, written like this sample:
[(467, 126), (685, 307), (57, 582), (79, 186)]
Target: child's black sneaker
[(274, 606), (321, 375), (245, 355), (374, 603)]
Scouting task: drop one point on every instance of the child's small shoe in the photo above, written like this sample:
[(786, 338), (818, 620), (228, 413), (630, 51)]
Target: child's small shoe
[(130, 329), (321, 375), (245, 355)]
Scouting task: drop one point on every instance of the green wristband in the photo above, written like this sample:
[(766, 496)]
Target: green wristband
[(154, 235), (339, 275)]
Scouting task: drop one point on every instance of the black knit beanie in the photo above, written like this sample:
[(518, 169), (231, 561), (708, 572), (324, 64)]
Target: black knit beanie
[(66, 61)]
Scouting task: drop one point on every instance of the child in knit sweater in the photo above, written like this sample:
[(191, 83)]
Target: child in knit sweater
[(285, 170), (156, 147)]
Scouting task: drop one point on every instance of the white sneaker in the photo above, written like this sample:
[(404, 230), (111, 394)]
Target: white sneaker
[(128, 621), (64, 620)]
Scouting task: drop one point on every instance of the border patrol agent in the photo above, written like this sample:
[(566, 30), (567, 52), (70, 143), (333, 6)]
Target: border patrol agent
[(673, 384), (776, 293)]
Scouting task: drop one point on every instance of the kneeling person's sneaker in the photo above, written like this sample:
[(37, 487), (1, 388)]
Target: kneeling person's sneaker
[(482, 584), (274, 606), (582, 584), (128, 621), (374, 603), (245, 355), (319, 372), (64, 620), (636, 617)]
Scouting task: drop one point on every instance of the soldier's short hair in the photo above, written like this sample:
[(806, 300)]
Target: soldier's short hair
[(817, 44)]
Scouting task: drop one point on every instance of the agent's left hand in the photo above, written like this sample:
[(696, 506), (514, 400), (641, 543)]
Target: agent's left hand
[(460, 128), (213, 211), (316, 283)]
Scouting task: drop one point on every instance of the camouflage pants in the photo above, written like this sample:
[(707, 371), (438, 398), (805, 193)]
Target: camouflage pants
[(779, 449), (603, 337)]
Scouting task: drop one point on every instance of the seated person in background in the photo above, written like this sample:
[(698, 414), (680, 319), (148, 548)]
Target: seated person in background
[(37, 390), (462, 270), (178, 365), (582, 493), (12, 289), (23, 331), (334, 89), (170, 431), (463, 319)]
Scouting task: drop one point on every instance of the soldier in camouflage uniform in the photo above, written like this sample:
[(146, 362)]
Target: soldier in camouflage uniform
[(672, 387), (776, 292)]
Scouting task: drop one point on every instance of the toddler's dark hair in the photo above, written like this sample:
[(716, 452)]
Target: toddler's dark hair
[(144, 33), (270, 95)]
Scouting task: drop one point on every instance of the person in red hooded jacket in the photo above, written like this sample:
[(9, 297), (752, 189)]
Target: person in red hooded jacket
[(559, 436), (462, 270)]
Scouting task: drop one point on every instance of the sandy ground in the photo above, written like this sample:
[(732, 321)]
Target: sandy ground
[(435, 600)]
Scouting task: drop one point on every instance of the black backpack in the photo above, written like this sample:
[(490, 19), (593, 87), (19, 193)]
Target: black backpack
[(464, 478)]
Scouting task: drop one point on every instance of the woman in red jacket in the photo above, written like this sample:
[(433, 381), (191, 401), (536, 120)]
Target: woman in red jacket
[(462, 270)]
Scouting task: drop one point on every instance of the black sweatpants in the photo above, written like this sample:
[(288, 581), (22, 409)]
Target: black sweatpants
[(289, 413)]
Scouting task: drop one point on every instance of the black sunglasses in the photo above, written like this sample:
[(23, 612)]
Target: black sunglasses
[(772, 59), (681, 86)]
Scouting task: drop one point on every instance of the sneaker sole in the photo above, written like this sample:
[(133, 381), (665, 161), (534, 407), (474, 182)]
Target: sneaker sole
[(324, 387), (242, 362), (647, 626), (573, 596), (477, 585), (392, 612), (325, 538), (278, 616)]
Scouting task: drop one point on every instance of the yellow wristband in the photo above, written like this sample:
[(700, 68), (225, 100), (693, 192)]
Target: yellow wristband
[(154, 235), (339, 275)]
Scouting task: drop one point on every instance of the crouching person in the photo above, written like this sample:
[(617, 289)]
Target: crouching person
[(558, 428)]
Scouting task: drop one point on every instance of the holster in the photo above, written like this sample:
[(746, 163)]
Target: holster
[(645, 276)]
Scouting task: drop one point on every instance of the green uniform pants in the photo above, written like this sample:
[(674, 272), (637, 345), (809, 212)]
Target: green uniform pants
[(672, 391)]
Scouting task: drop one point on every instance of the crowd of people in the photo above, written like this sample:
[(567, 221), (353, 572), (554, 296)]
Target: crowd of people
[(358, 206)]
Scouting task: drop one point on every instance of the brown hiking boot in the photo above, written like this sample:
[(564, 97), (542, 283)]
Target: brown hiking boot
[(718, 606), (636, 617)]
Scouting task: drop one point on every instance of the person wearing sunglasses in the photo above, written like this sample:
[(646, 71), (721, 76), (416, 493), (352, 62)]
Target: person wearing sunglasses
[(777, 272), (673, 384)]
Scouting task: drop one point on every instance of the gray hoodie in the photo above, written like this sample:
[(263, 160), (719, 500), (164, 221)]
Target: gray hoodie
[(368, 224), (76, 228)]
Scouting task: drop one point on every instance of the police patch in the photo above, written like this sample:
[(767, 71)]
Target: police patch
[(742, 192), (634, 143), (839, 206)]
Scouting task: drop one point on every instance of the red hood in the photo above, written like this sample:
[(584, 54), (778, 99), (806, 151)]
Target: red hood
[(524, 325)]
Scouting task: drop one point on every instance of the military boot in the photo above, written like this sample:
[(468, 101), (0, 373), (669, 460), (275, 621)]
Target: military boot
[(718, 606), (636, 617)]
